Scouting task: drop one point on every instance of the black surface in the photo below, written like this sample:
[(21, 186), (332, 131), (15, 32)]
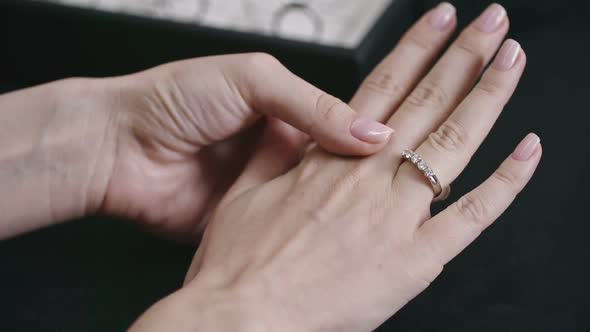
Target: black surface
[(529, 272)]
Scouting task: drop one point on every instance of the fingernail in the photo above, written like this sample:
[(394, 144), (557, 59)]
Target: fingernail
[(441, 17), (491, 19), (525, 150), (370, 131), (506, 57)]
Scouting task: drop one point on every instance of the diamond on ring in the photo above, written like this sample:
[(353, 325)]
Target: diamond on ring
[(440, 193)]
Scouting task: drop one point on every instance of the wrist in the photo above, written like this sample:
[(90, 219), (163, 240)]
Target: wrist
[(231, 309), (198, 308), (56, 148), (80, 139)]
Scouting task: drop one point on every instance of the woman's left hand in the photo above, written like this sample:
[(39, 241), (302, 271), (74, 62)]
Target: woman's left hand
[(341, 244)]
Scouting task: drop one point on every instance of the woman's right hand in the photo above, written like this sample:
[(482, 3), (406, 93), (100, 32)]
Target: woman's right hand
[(341, 244)]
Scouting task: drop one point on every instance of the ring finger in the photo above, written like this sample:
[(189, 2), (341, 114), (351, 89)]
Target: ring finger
[(449, 81), (448, 150)]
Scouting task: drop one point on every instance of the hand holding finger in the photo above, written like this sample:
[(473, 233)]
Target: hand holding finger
[(257, 84)]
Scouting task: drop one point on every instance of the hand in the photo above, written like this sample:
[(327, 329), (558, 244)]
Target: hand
[(341, 244), (181, 138)]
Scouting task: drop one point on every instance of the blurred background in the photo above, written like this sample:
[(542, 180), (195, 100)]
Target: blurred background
[(330, 22), (529, 272)]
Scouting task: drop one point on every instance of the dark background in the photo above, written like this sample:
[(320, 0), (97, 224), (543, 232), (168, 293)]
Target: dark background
[(528, 272)]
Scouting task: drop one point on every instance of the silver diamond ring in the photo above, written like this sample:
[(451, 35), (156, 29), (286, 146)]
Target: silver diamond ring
[(440, 193)]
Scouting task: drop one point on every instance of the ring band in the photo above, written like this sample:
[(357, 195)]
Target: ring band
[(302, 7), (440, 193)]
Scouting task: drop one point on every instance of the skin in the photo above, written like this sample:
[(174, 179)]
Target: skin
[(162, 146), (341, 244), (294, 241)]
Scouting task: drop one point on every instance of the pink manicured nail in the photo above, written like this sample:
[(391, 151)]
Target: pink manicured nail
[(491, 19), (441, 17), (506, 57), (525, 150), (370, 131)]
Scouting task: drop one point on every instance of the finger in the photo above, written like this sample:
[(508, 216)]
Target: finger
[(389, 83), (449, 232), (448, 150), (450, 79), (195, 266), (270, 88), (279, 149)]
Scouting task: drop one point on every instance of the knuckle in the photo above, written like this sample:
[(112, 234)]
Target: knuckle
[(348, 181), (430, 272), (506, 178), (382, 82), (469, 47), (428, 94), (260, 61), (449, 137), (252, 73), (325, 106), (473, 208), (307, 169), (420, 41), (316, 216), (489, 88)]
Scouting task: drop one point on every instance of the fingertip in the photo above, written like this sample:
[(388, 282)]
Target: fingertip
[(527, 148), (361, 136), (442, 17), (538, 154), (364, 137), (507, 21), (370, 131), (522, 56)]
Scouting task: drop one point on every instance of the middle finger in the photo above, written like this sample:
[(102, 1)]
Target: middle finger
[(448, 150), (389, 83), (450, 79)]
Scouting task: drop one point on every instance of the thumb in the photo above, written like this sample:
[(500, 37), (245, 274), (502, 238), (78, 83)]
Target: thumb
[(269, 88)]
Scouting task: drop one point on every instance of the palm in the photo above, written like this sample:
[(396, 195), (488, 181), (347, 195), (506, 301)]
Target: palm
[(363, 225)]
